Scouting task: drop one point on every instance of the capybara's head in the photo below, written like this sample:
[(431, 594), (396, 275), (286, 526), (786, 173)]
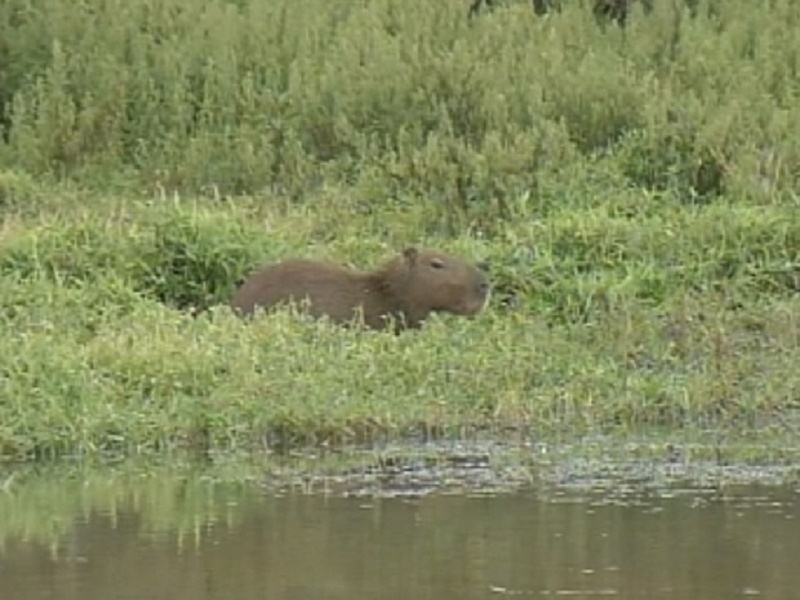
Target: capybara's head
[(425, 281)]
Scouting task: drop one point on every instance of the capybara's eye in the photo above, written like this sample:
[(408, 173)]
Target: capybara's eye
[(437, 263)]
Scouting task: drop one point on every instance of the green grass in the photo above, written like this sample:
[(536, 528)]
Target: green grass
[(634, 192), (618, 327)]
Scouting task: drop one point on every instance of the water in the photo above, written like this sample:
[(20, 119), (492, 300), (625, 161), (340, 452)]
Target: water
[(185, 537)]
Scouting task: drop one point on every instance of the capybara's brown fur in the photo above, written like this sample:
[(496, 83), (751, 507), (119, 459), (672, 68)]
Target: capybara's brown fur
[(408, 288)]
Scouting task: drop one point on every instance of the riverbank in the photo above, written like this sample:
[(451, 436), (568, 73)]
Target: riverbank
[(101, 352), (635, 194)]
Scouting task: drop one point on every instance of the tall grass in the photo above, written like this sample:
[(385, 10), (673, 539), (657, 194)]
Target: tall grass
[(401, 96)]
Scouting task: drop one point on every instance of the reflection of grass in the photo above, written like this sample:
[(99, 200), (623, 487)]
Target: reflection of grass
[(42, 505), (178, 499), (638, 206)]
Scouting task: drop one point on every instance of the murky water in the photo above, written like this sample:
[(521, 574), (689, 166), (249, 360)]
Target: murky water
[(186, 538)]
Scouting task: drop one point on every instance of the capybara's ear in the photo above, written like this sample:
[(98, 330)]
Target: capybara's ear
[(437, 263), (411, 254)]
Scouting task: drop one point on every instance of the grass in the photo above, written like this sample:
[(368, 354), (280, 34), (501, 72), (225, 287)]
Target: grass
[(634, 192)]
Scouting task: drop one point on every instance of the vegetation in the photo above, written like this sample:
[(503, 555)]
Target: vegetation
[(635, 191)]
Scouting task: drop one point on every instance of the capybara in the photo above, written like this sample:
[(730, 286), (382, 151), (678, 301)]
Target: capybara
[(408, 288)]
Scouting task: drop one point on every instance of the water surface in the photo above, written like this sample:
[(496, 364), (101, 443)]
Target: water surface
[(187, 538)]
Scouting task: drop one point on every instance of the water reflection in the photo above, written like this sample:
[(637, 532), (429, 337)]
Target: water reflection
[(249, 545)]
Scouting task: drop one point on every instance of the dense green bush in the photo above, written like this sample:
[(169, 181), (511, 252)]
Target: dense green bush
[(247, 96), (177, 256)]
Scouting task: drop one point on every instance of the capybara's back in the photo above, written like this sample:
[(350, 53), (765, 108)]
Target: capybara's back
[(408, 288), (331, 289)]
